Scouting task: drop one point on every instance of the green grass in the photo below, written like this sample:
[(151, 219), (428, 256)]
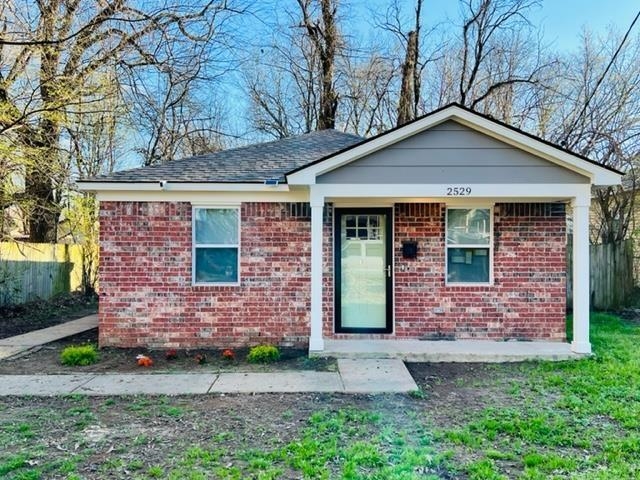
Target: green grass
[(544, 420), (578, 419), (346, 443)]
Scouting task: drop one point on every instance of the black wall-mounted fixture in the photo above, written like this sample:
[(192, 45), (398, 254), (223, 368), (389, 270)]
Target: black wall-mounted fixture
[(409, 249)]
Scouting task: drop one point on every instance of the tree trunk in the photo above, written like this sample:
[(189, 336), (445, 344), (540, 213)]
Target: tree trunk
[(329, 97), (45, 213), (406, 104)]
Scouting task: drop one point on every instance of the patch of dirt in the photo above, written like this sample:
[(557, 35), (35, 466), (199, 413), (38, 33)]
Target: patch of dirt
[(26, 317), (631, 315), (458, 390), (46, 360)]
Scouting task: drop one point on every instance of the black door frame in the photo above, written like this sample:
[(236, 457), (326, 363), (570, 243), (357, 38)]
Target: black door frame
[(388, 249)]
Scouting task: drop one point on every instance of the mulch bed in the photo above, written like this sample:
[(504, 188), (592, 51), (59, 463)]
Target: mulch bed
[(46, 360), (26, 317)]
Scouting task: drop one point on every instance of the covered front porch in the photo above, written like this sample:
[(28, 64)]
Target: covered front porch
[(485, 205), (334, 342)]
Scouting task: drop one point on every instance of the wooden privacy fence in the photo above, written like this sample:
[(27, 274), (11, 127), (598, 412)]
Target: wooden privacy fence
[(29, 271), (611, 274)]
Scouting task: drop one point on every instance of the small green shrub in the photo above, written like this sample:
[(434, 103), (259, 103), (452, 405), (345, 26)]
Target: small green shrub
[(79, 355), (263, 354)]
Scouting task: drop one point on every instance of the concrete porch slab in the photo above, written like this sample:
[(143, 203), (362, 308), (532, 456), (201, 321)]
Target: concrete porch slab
[(447, 351), (375, 376)]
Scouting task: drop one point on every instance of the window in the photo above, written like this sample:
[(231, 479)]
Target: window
[(468, 245), (362, 227), (216, 245)]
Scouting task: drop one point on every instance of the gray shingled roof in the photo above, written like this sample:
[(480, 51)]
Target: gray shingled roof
[(250, 164)]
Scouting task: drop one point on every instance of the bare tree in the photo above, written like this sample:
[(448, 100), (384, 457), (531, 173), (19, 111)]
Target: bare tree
[(420, 50), (323, 33), (410, 89), (172, 121), (284, 88), (596, 116), (52, 51), (408, 101), (368, 106)]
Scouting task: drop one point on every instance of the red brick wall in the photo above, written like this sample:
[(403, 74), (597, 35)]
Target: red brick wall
[(145, 279), (327, 278), (147, 297), (527, 300)]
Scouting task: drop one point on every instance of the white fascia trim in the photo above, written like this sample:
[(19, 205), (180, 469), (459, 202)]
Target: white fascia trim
[(169, 186), (204, 198), (598, 175), (478, 191)]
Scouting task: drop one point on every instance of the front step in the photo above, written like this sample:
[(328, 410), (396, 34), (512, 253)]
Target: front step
[(486, 351)]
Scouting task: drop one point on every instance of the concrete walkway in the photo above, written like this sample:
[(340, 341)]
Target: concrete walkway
[(353, 376), (21, 343), (362, 376)]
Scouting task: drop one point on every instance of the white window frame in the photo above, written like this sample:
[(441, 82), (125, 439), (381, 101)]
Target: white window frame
[(195, 246), (447, 246)]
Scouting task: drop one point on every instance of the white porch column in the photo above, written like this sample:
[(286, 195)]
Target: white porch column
[(581, 291), (316, 342)]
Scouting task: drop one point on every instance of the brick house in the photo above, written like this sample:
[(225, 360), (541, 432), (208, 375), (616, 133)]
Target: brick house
[(450, 227)]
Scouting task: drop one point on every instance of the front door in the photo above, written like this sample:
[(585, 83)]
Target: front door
[(363, 253)]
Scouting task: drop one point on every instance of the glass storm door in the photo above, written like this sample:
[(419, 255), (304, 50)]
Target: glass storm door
[(363, 270)]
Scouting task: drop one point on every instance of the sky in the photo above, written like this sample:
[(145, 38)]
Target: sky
[(563, 20)]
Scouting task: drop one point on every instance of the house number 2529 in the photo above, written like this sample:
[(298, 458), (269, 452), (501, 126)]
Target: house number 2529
[(458, 191)]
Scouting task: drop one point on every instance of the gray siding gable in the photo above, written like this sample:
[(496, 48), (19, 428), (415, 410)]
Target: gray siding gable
[(451, 153)]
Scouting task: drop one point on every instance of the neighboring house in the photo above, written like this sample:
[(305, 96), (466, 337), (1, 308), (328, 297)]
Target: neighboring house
[(449, 227)]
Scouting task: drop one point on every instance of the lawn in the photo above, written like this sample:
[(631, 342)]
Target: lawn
[(577, 419)]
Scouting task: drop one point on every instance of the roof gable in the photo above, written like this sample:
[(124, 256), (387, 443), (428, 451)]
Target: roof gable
[(450, 152), (597, 174)]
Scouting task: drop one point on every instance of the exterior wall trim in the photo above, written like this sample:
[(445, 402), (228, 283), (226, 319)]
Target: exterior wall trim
[(211, 197)]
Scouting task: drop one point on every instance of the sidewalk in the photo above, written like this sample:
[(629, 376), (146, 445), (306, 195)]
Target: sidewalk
[(353, 376), (21, 343)]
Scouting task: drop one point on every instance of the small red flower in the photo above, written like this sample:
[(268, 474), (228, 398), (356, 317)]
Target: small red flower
[(228, 354), (171, 354), (200, 358)]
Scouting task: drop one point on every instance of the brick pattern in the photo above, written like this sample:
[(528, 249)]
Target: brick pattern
[(148, 299), (526, 302), (145, 278), (328, 286)]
